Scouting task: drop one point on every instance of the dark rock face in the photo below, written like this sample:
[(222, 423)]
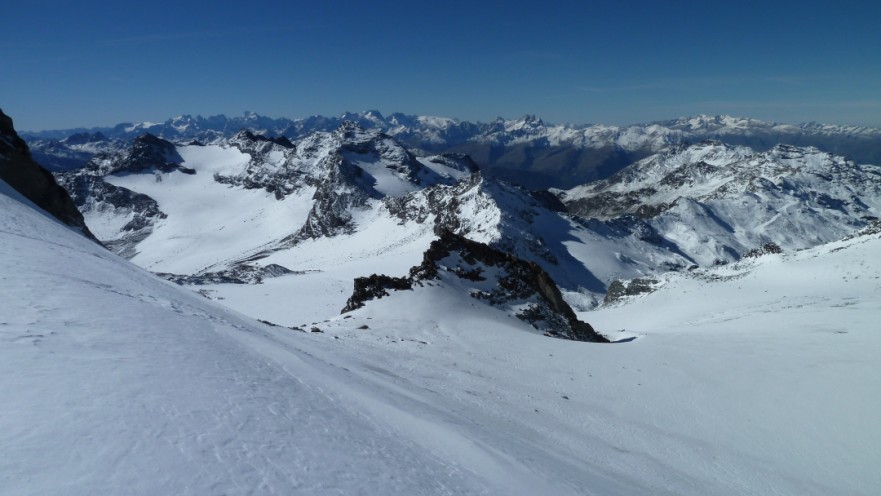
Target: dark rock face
[(335, 198), (521, 280), (512, 283), (35, 183), (374, 287)]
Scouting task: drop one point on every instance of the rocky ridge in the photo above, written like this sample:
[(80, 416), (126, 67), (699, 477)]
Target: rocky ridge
[(491, 276)]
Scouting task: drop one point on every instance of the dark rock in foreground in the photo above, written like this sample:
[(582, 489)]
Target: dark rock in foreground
[(35, 183), (497, 278)]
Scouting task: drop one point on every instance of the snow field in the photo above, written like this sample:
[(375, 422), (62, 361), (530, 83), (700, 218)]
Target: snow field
[(209, 222)]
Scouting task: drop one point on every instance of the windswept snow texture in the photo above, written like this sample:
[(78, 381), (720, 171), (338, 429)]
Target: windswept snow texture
[(756, 378), (115, 382)]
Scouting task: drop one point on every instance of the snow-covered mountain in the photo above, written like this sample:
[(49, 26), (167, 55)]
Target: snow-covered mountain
[(355, 202), (526, 151), (116, 381), (715, 202), (424, 392), (353, 199)]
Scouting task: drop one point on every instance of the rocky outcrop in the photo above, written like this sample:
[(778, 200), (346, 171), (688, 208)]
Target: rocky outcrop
[(496, 278), (247, 135), (765, 249), (334, 200), (374, 287), (619, 290), (35, 183)]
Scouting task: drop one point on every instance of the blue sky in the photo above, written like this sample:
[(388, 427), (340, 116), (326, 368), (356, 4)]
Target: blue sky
[(89, 63)]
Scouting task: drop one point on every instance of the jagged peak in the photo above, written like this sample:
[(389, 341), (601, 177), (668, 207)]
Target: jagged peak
[(532, 120)]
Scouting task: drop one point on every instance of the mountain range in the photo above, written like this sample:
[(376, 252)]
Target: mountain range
[(525, 151), (358, 199), (339, 310)]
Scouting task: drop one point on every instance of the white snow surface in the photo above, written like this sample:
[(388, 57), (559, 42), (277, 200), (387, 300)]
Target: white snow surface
[(756, 378), (209, 222), (115, 382)]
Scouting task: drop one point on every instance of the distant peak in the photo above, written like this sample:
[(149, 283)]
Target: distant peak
[(532, 119), (373, 114)]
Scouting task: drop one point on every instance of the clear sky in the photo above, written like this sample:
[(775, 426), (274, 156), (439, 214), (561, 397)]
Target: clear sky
[(96, 63)]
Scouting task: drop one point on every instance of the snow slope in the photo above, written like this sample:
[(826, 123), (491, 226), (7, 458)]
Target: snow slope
[(756, 378), (117, 382), (790, 361), (207, 221)]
